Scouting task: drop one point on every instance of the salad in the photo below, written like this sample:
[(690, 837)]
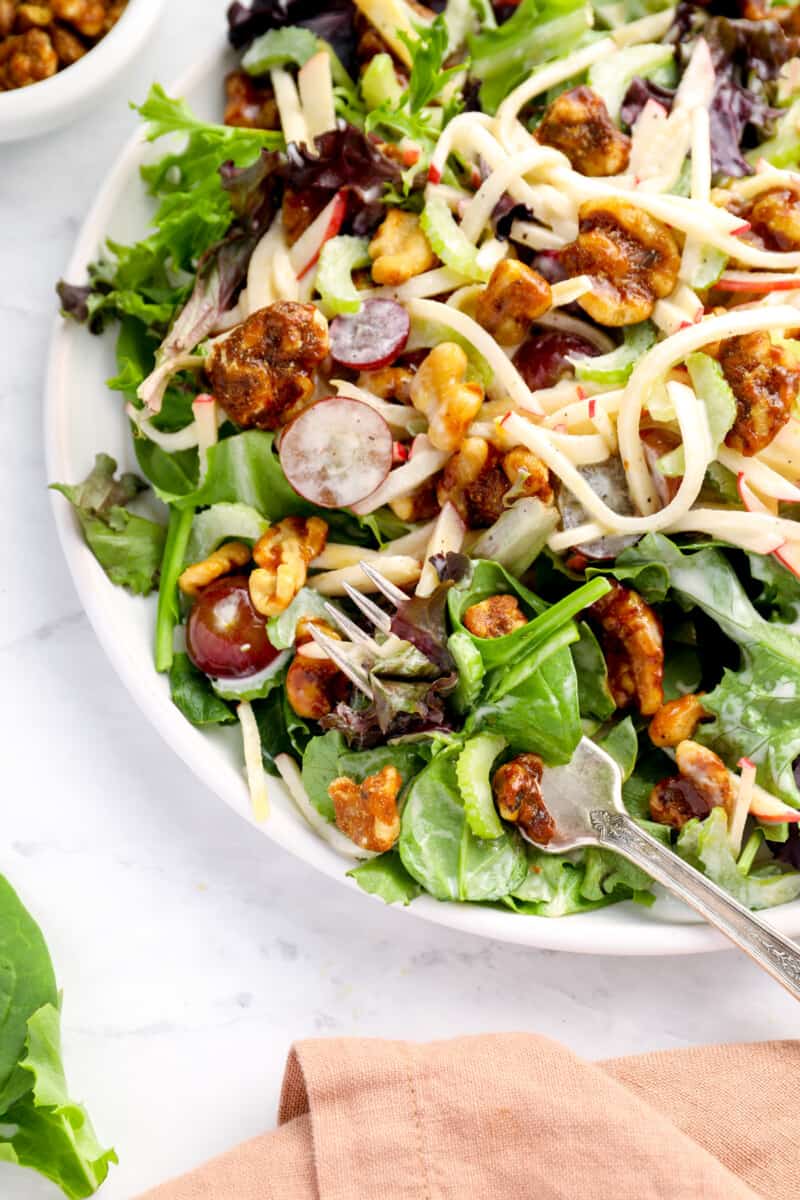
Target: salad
[(504, 303)]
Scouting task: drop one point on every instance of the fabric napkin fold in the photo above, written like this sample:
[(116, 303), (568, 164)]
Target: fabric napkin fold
[(517, 1116)]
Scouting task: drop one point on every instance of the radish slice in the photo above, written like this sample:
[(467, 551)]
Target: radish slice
[(372, 337), (305, 252), (336, 452)]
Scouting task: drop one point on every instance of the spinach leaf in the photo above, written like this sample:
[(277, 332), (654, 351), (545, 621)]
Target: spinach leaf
[(590, 667), (127, 546), (320, 767), (621, 742), (540, 715), (192, 693), (40, 1127), (280, 729), (385, 876), (439, 850)]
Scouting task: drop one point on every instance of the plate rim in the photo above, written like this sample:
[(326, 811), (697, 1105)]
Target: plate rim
[(579, 933)]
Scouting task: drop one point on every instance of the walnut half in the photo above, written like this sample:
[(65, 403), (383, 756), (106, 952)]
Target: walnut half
[(631, 258)]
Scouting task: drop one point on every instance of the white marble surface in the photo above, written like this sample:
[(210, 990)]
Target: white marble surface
[(191, 951)]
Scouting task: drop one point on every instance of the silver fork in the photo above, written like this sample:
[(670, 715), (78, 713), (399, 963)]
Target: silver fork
[(341, 652), (584, 798)]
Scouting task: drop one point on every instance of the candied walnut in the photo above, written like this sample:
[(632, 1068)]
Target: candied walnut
[(634, 648), (518, 795), (420, 505), (388, 383), (282, 555), (314, 686), (632, 259), (222, 561), (440, 390), (474, 481), (400, 249), (367, 813), (113, 13), (494, 617), (703, 784), (248, 104), (707, 772), (263, 368), (775, 218), (765, 384), (32, 16), (68, 47), (87, 16), (299, 209), (677, 720), (526, 471), (8, 13), (579, 125), (27, 58), (512, 300), (675, 800)]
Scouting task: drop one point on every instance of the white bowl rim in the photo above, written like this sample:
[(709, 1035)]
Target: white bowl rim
[(632, 934), (69, 87)]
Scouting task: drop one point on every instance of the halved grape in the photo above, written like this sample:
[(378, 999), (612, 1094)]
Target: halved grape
[(225, 636), (336, 452), (371, 338), (543, 359)]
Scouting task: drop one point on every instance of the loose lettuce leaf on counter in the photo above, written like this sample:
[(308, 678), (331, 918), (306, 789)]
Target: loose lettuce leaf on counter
[(40, 1127), (439, 850), (128, 547)]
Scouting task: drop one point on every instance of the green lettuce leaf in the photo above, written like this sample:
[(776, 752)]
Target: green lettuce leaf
[(327, 757), (706, 845), (538, 31), (596, 700), (128, 547), (291, 46), (756, 708), (40, 1127), (385, 876), (440, 851), (48, 1131), (192, 693)]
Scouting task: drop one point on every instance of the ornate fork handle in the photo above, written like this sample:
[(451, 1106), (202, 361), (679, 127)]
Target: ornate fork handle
[(775, 953)]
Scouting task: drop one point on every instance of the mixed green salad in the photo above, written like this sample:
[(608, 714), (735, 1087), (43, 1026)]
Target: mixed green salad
[(502, 302), (40, 1126)]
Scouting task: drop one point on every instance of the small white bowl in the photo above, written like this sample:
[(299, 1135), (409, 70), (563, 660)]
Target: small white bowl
[(42, 107)]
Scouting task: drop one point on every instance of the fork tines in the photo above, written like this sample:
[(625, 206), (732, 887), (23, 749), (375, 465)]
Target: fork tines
[(337, 652)]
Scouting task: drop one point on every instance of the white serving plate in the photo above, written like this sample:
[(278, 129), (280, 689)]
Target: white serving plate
[(82, 418)]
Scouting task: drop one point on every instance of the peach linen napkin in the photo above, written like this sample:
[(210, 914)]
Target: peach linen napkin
[(516, 1116)]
